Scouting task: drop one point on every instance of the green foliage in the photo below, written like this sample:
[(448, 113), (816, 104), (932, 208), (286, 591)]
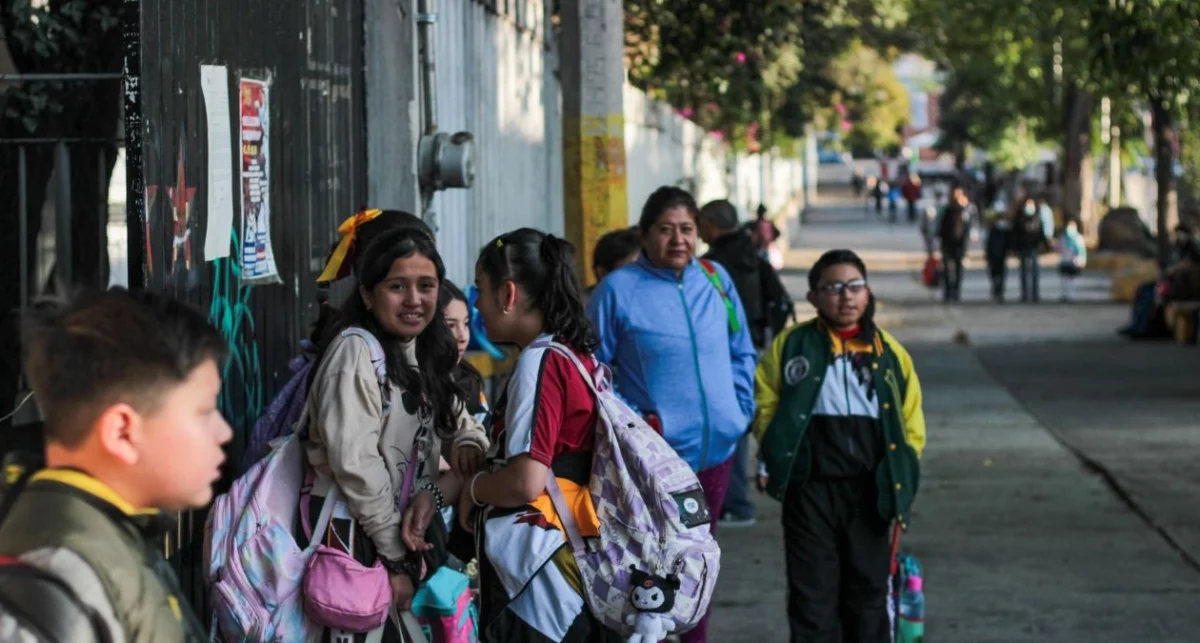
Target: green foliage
[(50, 36), (1000, 59), (876, 103), (761, 66), (1145, 47)]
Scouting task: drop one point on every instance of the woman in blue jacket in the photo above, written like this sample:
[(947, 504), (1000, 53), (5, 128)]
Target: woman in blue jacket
[(674, 331)]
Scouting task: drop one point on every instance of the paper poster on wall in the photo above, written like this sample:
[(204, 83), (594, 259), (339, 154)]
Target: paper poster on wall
[(214, 83), (258, 259)]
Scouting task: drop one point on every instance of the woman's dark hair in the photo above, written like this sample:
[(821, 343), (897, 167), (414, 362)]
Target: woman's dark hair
[(664, 199), (436, 348), (543, 265), (613, 247)]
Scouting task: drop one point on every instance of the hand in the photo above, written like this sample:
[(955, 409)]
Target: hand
[(402, 590), (466, 508), (417, 516), (761, 478), (467, 459)]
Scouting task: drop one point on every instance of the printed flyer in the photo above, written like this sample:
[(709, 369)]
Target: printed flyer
[(258, 259)]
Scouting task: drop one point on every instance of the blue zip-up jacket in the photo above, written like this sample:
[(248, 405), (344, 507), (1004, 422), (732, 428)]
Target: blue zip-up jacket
[(669, 343)]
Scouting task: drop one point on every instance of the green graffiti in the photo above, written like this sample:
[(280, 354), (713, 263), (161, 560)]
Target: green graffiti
[(230, 313)]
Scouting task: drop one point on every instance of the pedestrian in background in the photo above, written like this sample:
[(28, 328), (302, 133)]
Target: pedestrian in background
[(1072, 258)]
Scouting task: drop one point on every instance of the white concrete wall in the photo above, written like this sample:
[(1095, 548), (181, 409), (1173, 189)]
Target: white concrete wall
[(497, 78)]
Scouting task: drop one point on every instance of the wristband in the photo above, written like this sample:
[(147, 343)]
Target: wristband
[(437, 494), (474, 499), (393, 566)]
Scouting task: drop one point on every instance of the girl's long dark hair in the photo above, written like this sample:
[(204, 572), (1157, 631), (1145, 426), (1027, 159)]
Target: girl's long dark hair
[(436, 348), (464, 371), (543, 265)]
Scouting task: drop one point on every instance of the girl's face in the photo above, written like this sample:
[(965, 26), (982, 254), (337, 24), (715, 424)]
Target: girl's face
[(405, 300), (458, 319), (497, 305)]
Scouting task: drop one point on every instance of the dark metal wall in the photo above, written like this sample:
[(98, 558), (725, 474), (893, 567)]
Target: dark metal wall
[(311, 50)]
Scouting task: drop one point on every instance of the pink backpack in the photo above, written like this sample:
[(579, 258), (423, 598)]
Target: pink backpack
[(656, 559), (256, 568)]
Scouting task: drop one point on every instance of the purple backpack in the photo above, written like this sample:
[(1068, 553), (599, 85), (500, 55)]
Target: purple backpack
[(654, 523), (285, 409)]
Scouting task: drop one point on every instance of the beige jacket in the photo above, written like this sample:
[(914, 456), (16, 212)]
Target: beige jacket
[(351, 442)]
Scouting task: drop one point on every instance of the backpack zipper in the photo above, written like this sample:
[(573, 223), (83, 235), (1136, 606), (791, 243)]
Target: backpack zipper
[(687, 314)]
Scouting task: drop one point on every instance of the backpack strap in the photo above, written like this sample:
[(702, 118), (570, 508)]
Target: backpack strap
[(23, 473), (561, 507), (378, 361), (710, 271)]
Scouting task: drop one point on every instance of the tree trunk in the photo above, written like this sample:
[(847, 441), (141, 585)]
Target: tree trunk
[(1077, 188), (1164, 174)]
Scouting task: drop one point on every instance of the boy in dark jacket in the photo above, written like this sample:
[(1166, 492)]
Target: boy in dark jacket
[(128, 385), (840, 428)]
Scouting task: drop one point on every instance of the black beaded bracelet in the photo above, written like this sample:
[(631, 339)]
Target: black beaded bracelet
[(437, 494)]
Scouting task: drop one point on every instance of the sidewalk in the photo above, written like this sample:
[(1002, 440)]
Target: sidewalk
[(1132, 408)]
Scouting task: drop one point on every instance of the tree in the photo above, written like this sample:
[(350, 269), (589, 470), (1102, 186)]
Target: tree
[(875, 103), (762, 66), (1149, 48), (1024, 64)]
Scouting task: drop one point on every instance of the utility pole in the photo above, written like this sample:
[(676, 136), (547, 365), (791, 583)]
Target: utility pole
[(592, 41)]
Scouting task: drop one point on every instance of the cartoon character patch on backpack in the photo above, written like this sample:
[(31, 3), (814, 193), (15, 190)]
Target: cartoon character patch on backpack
[(652, 596)]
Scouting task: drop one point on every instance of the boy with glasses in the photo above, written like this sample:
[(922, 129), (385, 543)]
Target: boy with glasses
[(841, 429)]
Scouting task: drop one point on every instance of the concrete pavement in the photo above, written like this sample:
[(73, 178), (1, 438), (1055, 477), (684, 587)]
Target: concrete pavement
[(1020, 541)]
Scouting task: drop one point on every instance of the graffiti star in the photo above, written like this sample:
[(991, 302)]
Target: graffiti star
[(181, 207), (180, 199)]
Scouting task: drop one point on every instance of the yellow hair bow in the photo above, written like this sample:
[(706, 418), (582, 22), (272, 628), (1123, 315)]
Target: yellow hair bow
[(337, 266)]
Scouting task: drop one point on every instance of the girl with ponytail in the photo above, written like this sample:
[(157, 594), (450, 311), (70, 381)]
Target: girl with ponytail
[(543, 424)]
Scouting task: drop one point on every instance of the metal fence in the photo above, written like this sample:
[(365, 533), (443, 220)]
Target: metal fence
[(57, 218)]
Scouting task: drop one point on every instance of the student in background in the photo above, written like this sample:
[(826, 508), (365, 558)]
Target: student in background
[(1073, 257), (456, 311), (613, 250)]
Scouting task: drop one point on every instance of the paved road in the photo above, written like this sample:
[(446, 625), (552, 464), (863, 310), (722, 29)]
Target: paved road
[(1020, 540)]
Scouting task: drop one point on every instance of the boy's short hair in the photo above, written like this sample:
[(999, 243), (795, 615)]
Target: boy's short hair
[(101, 347), (834, 258), (613, 247)]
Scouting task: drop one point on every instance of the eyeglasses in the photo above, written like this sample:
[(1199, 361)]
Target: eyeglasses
[(836, 288)]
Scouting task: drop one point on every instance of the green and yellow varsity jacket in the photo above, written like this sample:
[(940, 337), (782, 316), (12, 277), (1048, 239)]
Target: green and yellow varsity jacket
[(810, 370)]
